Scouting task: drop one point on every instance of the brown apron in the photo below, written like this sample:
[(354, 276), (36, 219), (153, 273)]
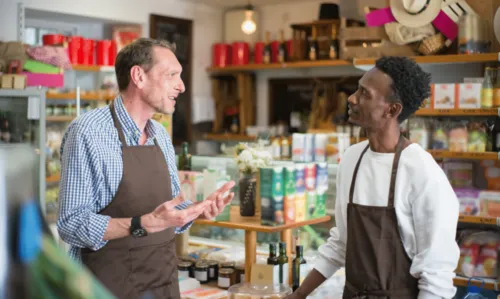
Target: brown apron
[(130, 267), (377, 265)]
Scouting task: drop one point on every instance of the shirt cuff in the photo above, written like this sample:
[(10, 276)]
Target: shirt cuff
[(180, 230), (98, 225), (325, 267), (423, 294)]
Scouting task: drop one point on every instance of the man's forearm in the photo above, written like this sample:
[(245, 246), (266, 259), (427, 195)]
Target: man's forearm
[(312, 281), (120, 227)]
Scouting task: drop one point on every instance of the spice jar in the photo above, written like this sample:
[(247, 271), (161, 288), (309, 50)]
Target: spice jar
[(226, 278), (201, 272), (187, 258), (184, 269), (213, 270), (240, 273), (227, 265)]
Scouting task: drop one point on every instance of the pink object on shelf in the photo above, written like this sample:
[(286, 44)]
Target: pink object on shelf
[(46, 80)]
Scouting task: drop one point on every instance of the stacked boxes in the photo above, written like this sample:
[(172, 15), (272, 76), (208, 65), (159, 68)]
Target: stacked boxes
[(272, 195), (289, 208)]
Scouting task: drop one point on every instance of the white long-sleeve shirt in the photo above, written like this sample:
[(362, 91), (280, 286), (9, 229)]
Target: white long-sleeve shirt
[(426, 206)]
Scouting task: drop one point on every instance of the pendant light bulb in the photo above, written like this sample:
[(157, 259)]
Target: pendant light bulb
[(248, 26)]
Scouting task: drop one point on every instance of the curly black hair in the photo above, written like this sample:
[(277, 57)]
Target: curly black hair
[(410, 84)]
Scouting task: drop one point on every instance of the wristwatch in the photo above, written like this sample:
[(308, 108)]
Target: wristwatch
[(136, 230)]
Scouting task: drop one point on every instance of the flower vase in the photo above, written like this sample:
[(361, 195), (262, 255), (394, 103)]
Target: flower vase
[(248, 184)]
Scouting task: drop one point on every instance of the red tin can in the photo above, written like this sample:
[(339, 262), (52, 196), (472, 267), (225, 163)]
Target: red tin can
[(258, 52), (240, 55), (221, 55)]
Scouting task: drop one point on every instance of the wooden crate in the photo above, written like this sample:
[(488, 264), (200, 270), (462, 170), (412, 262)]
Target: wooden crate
[(302, 33), (368, 42)]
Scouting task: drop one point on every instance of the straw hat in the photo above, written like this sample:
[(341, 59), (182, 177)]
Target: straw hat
[(415, 13)]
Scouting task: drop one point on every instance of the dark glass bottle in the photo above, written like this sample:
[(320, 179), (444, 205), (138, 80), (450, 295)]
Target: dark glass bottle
[(313, 46), (185, 158), (283, 264), (272, 259), (334, 45), (282, 53), (299, 267), (267, 48)]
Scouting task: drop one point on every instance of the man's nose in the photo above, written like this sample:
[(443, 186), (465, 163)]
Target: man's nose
[(352, 99), (180, 86)]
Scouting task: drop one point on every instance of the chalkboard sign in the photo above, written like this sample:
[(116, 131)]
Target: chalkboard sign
[(180, 33)]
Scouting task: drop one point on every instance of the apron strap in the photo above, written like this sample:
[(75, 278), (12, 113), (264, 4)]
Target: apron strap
[(118, 126), (395, 163), (355, 174)]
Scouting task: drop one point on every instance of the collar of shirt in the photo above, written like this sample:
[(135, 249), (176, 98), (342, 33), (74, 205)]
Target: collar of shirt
[(130, 128)]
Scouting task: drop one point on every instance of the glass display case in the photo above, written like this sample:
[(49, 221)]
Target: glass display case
[(310, 236), (22, 121)]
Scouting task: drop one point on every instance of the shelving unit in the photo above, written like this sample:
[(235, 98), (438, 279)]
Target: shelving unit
[(251, 225), (86, 97), (279, 66), (489, 284), (438, 154), (459, 112)]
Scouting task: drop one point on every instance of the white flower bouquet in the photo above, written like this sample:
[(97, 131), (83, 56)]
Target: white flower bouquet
[(249, 159)]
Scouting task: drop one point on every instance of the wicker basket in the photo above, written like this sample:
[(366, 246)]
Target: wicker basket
[(432, 44)]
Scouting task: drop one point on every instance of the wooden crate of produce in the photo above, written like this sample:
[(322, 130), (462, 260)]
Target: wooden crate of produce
[(368, 42)]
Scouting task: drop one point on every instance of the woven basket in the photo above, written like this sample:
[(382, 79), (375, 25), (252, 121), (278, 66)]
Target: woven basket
[(432, 44)]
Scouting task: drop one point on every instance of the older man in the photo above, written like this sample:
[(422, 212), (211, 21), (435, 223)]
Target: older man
[(396, 212), (120, 206)]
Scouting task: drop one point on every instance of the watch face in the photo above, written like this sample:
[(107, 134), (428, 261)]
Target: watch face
[(139, 233)]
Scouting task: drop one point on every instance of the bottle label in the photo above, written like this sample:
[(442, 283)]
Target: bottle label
[(496, 97), (497, 145), (224, 282), (183, 274), (487, 97), (302, 273), (276, 273), (201, 275), (312, 54)]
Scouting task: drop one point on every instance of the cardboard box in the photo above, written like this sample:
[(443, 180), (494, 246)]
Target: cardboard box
[(272, 195), (469, 95), (289, 201), (444, 96)]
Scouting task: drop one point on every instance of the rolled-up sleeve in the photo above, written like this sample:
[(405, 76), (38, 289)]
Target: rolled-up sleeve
[(176, 185), (77, 224)]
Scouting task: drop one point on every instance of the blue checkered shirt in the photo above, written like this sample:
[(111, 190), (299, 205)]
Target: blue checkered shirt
[(91, 170)]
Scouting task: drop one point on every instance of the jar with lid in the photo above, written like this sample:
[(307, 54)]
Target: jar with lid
[(184, 269), (201, 272), (227, 265), (226, 278), (240, 273), (213, 270)]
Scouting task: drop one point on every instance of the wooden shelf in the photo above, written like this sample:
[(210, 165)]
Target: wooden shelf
[(481, 220), (458, 112), (365, 63), (253, 223), (273, 66), (85, 97), (489, 284), (52, 179), (92, 68), (230, 137), (438, 154), (63, 118)]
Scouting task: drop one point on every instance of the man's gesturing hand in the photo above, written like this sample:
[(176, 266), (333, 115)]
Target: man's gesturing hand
[(166, 215), (218, 201)]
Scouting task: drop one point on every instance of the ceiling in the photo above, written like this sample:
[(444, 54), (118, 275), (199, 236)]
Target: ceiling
[(239, 3)]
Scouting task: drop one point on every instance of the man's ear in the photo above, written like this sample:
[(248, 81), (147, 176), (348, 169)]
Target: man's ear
[(395, 110), (137, 76)]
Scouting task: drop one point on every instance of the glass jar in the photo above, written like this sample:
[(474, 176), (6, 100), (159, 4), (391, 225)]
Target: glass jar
[(261, 291), (213, 270), (187, 258), (226, 278), (240, 273), (227, 265), (201, 272), (184, 269)]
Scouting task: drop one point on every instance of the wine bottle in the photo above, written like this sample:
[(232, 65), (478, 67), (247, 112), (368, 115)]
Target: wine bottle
[(334, 44), (273, 260), (299, 268), (185, 158), (313, 45), (283, 264), (267, 48), (282, 54)]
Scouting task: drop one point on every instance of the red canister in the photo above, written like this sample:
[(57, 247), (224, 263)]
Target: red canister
[(74, 45), (221, 55), (102, 51), (258, 52), (112, 53), (274, 51), (53, 39), (289, 48), (240, 52), (86, 56)]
